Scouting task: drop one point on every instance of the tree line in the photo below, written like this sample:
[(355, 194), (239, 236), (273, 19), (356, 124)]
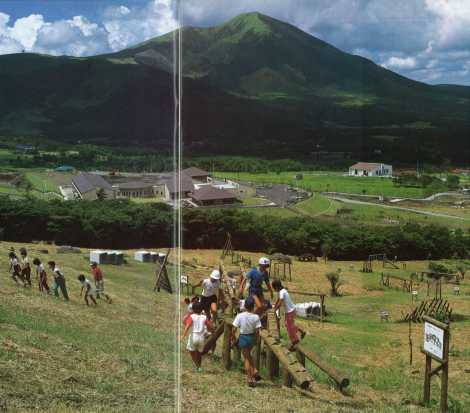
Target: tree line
[(123, 224)]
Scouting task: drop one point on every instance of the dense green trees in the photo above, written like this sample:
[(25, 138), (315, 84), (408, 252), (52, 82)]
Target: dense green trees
[(123, 224), (207, 228), (101, 224)]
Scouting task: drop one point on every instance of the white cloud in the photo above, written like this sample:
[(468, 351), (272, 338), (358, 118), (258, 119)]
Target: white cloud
[(127, 27), (400, 63), (25, 30), (119, 28)]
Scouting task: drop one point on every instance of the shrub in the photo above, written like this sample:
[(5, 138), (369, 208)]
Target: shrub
[(335, 282)]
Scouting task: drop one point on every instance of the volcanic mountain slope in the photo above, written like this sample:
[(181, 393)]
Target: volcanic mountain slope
[(262, 83)]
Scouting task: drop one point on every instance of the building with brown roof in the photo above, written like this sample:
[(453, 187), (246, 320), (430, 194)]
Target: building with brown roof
[(209, 195), (196, 174)]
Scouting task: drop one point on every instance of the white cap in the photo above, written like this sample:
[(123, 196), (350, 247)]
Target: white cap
[(264, 261), (215, 275)]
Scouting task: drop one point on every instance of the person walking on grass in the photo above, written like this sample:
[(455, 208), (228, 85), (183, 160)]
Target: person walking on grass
[(199, 324), (210, 293), (249, 324), (25, 266), (99, 282), (15, 268), (59, 281), (256, 277), (89, 290), (42, 276), (289, 313)]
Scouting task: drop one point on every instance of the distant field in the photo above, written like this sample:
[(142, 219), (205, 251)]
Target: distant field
[(48, 181), (58, 357), (318, 205), (329, 182)]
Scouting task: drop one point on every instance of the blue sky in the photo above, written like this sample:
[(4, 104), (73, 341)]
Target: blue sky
[(426, 40)]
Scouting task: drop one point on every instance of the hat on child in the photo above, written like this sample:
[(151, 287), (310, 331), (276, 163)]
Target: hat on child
[(264, 261), (215, 275)]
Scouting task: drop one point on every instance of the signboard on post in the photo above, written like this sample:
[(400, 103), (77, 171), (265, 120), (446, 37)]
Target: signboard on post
[(436, 347), (433, 340)]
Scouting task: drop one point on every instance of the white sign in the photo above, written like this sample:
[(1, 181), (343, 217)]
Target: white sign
[(184, 279), (434, 340)]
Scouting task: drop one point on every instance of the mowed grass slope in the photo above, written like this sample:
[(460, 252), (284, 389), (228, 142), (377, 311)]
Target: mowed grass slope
[(66, 357), (373, 354)]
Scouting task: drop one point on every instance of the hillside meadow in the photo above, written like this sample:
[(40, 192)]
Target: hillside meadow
[(58, 357), (372, 353)]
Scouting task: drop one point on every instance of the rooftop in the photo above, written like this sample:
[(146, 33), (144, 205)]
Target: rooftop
[(194, 172), (210, 193), (87, 182), (186, 183), (366, 165)]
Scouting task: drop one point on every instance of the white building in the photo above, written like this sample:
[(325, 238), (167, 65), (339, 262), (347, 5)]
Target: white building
[(370, 169)]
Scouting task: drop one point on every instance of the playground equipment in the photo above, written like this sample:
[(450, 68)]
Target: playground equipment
[(281, 265), (386, 263), (162, 279), (278, 357), (228, 247), (437, 307), (307, 257)]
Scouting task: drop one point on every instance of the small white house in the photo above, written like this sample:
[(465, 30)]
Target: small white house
[(370, 169)]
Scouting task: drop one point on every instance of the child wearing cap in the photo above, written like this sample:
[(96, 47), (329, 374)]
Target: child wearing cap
[(199, 325), (256, 278), (289, 313), (89, 290), (210, 292), (249, 324)]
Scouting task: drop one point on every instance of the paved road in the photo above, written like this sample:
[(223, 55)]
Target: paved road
[(417, 211)]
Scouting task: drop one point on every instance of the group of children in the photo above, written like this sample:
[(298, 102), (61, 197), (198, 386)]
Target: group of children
[(198, 322), (20, 270)]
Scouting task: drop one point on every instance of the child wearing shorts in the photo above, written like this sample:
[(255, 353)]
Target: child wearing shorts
[(198, 324), (249, 325)]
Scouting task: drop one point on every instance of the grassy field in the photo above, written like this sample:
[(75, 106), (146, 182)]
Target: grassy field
[(48, 181), (67, 357), (329, 182), (373, 354)]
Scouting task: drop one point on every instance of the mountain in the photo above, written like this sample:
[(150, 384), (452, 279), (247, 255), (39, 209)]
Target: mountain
[(254, 84)]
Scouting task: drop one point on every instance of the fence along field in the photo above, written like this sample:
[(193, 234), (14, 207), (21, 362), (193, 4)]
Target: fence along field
[(65, 357), (373, 354)]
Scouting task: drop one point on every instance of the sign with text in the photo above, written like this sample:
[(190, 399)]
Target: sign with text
[(434, 340)]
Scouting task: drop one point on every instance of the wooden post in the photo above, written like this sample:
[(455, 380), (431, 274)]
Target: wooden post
[(300, 357), (227, 345), (445, 374), (270, 357), (427, 381), (286, 377), (322, 305), (210, 342), (257, 353), (236, 356), (275, 350)]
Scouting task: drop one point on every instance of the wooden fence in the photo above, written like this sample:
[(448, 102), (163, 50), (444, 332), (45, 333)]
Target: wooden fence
[(277, 360)]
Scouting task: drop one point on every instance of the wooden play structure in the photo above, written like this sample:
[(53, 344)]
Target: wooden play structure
[(386, 263), (321, 296), (270, 353), (281, 266), (162, 279), (307, 257), (228, 247), (436, 307)]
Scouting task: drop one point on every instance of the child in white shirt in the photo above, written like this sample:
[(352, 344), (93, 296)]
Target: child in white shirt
[(198, 324), (249, 324), (289, 313), (89, 290)]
